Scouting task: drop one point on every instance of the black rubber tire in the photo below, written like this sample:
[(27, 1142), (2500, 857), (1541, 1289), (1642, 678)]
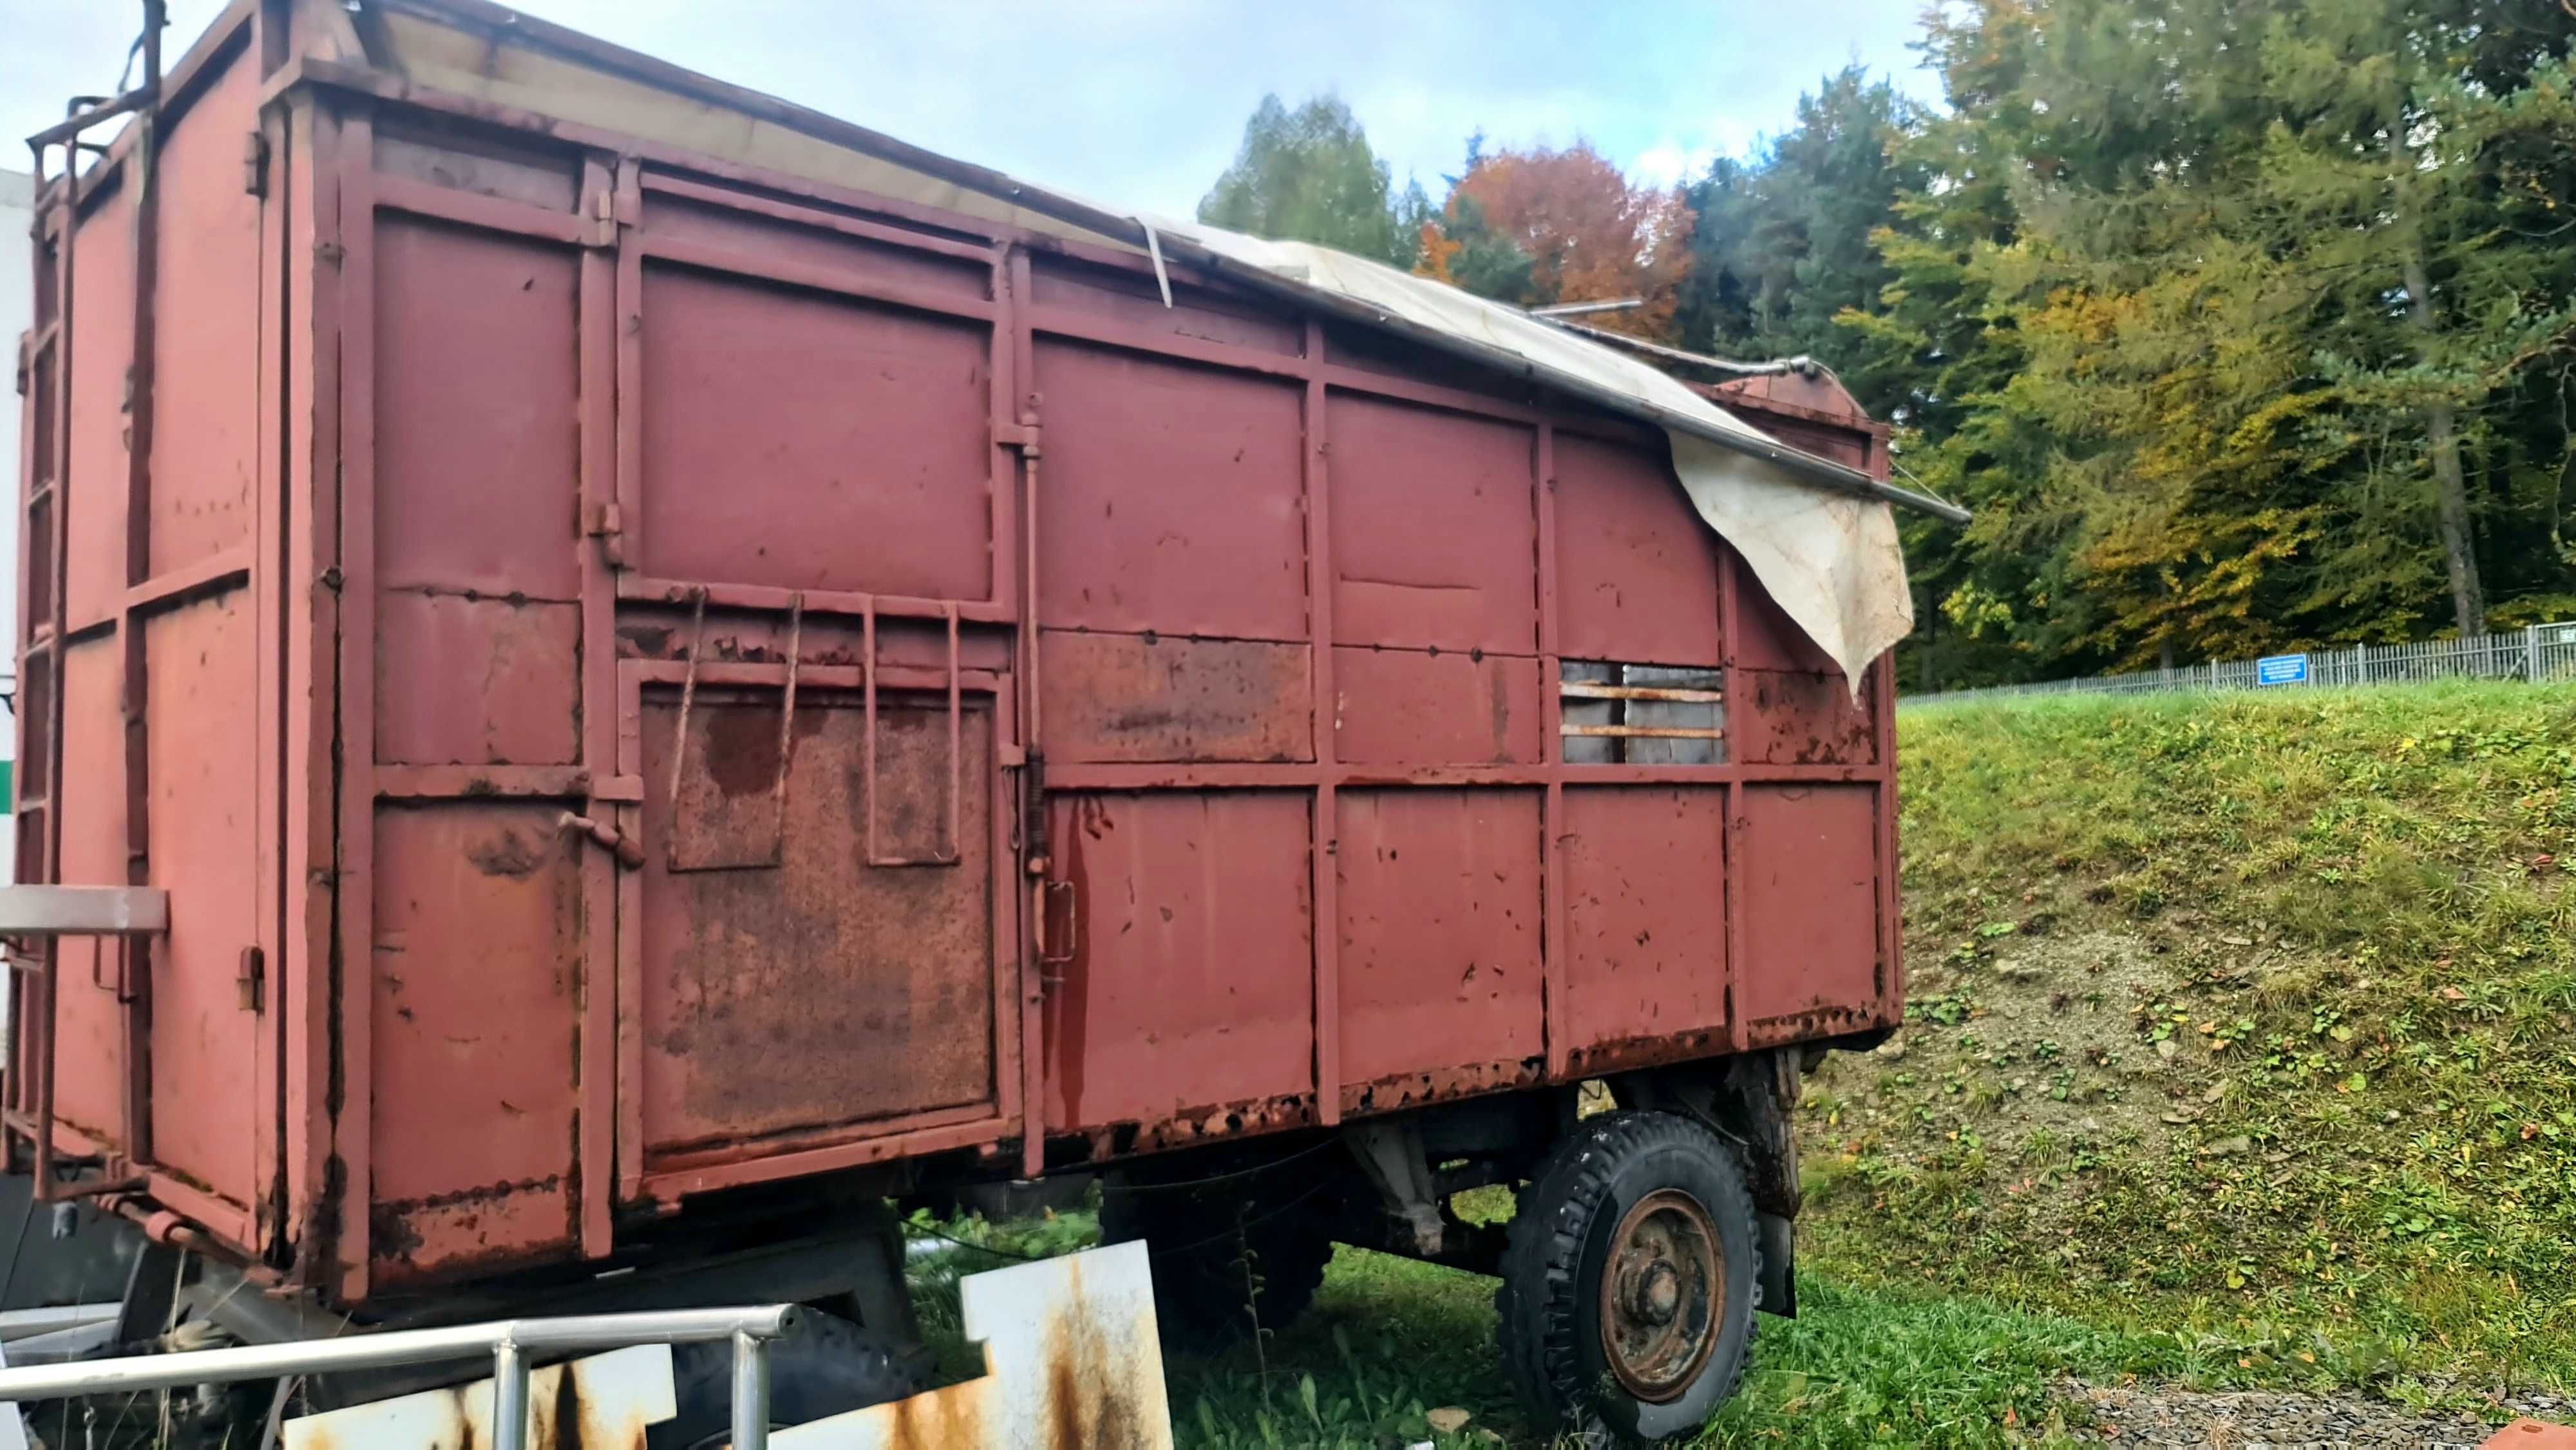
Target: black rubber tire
[(827, 1366), (1550, 1302), (1199, 1241)]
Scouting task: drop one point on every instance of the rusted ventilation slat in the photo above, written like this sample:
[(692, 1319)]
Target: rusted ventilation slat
[(1587, 690), (1644, 732)]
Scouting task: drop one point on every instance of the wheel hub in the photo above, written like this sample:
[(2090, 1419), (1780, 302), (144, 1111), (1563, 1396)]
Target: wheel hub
[(1663, 1287)]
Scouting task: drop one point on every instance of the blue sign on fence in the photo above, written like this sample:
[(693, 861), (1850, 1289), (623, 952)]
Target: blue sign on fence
[(2281, 670)]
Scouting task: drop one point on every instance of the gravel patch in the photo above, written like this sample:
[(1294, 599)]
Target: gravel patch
[(2144, 1415)]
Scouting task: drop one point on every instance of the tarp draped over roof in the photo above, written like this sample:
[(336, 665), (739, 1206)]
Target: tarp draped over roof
[(1830, 559)]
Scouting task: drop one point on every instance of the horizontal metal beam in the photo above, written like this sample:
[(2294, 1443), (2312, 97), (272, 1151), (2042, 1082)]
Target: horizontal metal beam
[(1647, 732), (1767, 368), (1587, 690), (83, 910), (567, 1334), (17, 1324), (1586, 309)]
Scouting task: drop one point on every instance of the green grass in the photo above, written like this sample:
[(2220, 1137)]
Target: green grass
[(2321, 942)]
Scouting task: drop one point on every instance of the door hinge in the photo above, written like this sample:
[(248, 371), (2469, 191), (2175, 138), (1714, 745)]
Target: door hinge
[(608, 525), (603, 218), (250, 985), (1022, 432), (255, 163)]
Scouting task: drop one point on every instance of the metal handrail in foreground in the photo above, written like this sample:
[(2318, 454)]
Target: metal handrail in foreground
[(508, 1341)]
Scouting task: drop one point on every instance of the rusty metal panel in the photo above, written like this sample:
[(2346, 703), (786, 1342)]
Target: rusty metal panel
[(471, 162), (1439, 959), (464, 681), (1130, 301), (1398, 707), (807, 441), (1184, 929), (475, 980), (206, 1117), (873, 982), (94, 491), (1765, 639), (670, 218), (474, 405), (205, 396), (1138, 699), (1803, 718), (89, 1020), (1811, 900), (1172, 498), (1645, 916), (1434, 528), (1636, 569)]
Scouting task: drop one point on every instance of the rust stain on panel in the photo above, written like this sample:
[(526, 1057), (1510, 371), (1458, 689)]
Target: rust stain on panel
[(1803, 718), (1412, 1089), (1647, 1051), (1144, 699), (1105, 1141), (781, 998), (473, 993)]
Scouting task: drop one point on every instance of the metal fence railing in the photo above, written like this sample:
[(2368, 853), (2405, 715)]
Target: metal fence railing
[(2539, 653), (508, 1343)]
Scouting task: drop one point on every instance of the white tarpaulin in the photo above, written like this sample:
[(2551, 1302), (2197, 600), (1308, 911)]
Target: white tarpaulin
[(1830, 560)]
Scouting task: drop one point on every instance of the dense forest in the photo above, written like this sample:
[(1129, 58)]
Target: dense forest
[(2241, 324)]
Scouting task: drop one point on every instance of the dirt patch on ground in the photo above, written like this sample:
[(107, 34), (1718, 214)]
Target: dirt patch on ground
[(2073, 1037), (2145, 1415)]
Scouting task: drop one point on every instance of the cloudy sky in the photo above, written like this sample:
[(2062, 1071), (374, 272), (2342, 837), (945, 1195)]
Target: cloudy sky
[(1142, 102)]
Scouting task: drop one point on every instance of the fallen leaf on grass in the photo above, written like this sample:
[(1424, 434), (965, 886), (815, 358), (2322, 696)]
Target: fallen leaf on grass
[(1448, 1419)]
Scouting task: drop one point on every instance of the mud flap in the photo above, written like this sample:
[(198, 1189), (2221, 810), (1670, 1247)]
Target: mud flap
[(1778, 1236)]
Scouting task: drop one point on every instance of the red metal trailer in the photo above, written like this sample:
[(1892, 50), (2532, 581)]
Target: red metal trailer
[(679, 668)]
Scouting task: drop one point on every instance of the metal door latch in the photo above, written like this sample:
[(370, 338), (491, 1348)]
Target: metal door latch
[(629, 854)]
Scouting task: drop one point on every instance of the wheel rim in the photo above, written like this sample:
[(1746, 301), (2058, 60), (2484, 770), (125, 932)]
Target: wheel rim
[(1663, 1293)]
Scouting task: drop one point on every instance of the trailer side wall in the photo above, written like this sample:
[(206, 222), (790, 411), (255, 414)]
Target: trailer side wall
[(599, 613)]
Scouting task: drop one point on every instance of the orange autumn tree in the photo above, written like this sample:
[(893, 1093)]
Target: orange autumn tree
[(1542, 226)]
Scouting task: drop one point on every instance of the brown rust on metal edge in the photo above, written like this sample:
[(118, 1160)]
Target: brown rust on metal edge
[(1823, 1021), (1196, 1125), (1645, 1051), (1411, 1089)]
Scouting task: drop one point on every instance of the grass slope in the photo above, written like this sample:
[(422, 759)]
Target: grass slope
[(2249, 1018)]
